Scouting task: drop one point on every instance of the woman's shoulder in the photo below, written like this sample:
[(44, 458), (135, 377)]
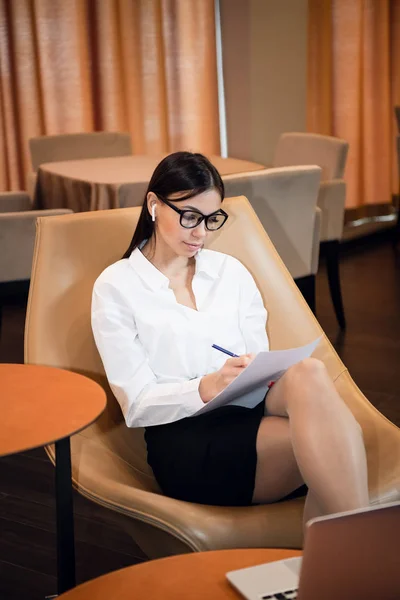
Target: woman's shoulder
[(221, 260), (113, 276)]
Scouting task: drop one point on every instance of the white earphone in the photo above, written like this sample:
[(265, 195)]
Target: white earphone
[(153, 212)]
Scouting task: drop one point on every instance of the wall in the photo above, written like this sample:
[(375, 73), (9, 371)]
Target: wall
[(264, 47)]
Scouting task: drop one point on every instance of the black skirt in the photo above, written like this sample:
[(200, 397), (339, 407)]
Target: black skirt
[(209, 459)]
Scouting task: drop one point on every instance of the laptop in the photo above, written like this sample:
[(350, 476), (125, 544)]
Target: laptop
[(353, 555)]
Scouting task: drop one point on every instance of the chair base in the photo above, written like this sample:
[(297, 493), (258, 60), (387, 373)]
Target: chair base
[(396, 231), (10, 290), (331, 252), (306, 286)]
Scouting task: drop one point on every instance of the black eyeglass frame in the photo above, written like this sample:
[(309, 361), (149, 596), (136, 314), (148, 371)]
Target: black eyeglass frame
[(205, 218)]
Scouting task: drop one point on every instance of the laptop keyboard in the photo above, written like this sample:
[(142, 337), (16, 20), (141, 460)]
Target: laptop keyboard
[(288, 595)]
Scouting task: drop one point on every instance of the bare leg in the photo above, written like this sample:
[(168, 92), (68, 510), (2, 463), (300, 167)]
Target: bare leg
[(277, 473), (326, 439), (312, 508)]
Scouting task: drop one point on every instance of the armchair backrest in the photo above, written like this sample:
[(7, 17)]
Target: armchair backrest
[(330, 153), (14, 202), (285, 201), (17, 241), (75, 146)]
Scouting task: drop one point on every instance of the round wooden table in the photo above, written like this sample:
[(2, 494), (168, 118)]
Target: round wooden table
[(185, 577), (41, 405)]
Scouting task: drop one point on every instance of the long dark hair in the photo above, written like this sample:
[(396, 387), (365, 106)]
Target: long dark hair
[(178, 172)]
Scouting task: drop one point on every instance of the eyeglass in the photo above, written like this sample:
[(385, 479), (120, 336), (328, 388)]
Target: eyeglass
[(189, 218)]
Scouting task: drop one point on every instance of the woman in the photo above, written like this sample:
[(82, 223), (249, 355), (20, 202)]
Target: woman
[(155, 316)]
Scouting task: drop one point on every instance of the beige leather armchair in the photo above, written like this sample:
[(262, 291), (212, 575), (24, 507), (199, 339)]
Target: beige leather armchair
[(285, 200), (108, 459), (330, 154), (74, 146), (17, 239)]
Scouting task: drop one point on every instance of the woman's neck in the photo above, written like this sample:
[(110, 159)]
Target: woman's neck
[(164, 259)]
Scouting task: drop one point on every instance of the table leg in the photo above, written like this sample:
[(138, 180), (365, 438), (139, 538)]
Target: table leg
[(65, 517)]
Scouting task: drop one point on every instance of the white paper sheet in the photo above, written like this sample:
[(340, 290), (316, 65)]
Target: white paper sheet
[(250, 387)]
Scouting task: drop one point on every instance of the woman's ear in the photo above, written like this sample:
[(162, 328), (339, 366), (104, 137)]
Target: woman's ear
[(151, 203)]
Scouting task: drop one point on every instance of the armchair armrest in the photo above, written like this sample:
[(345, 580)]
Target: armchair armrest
[(331, 201), (14, 202)]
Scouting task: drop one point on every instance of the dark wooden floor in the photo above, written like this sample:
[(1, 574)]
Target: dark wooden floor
[(370, 348)]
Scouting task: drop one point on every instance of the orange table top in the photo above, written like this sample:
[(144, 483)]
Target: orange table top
[(40, 405), (185, 577)]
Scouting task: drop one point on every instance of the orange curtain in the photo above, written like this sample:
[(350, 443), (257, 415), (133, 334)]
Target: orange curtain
[(353, 85), (143, 66)]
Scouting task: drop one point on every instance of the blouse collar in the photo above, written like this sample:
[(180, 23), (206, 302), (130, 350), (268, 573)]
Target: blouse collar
[(156, 280)]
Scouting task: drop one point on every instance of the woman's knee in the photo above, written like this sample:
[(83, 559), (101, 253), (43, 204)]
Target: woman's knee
[(309, 370), (307, 381), (303, 383)]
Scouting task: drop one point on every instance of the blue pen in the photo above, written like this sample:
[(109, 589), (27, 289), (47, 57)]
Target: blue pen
[(225, 351)]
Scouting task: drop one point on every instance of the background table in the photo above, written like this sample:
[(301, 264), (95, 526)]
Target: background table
[(185, 577), (41, 405), (103, 183)]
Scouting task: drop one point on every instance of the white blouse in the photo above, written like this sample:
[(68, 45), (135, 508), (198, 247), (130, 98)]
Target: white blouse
[(154, 350)]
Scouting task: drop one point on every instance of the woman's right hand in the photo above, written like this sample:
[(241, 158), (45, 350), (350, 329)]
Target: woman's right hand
[(211, 385)]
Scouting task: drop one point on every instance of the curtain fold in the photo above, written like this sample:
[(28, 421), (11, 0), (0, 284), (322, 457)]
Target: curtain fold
[(353, 85), (319, 63), (143, 66), (395, 79)]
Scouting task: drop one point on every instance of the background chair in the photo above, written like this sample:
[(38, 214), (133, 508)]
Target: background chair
[(17, 240), (75, 146), (330, 154), (285, 201), (108, 459)]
